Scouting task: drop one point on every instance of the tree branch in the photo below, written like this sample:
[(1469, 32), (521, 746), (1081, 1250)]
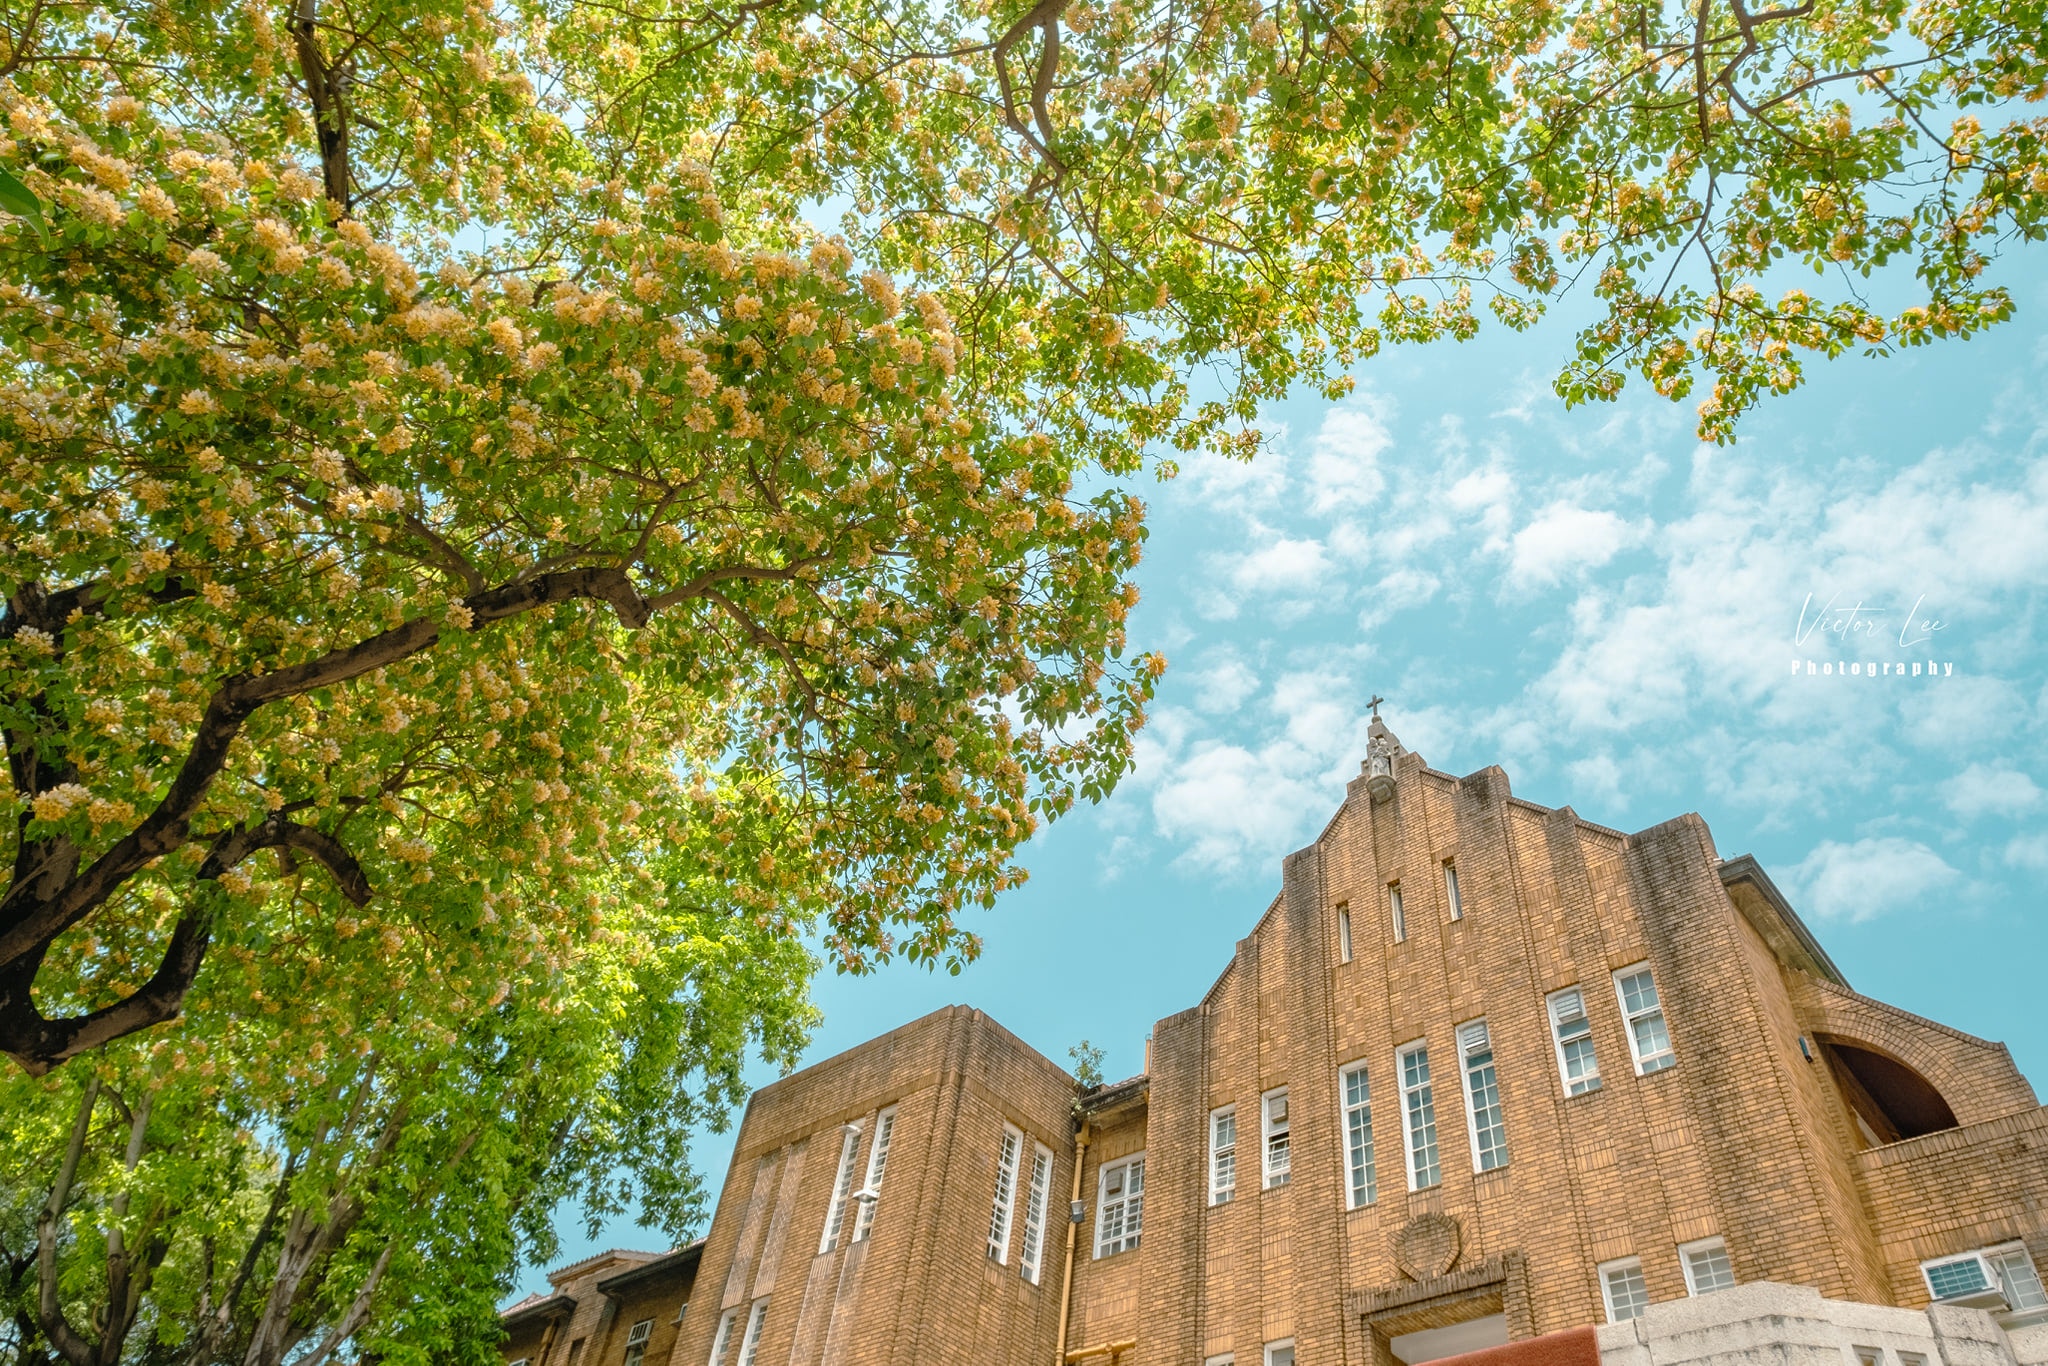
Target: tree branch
[(49, 1310)]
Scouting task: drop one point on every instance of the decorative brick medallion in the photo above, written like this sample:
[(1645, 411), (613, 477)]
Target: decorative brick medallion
[(1427, 1246)]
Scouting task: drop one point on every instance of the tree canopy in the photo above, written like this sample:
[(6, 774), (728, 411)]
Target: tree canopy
[(482, 481)]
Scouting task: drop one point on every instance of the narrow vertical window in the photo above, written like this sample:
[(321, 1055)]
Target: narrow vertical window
[(1358, 1163), (636, 1342), (750, 1345), (1280, 1353), (1344, 934), (878, 1163), (1276, 1131), (1223, 1155), (1395, 914), (1707, 1267), (1418, 1102), (1034, 1212), (1648, 1040), (842, 1188), (1007, 1158), (721, 1341), (1623, 1288), (1451, 897), (1482, 1089), (1572, 1032), (1120, 1205)]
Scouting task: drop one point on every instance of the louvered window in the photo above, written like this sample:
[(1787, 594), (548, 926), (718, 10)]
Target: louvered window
[(1007, 1158), (1573, 1034), (878, 1163), (1034, 1212), (636, 1341), (1482, 1090), (842, 1187)]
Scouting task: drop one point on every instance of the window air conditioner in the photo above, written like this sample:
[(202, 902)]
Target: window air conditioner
[(1968, 1281)]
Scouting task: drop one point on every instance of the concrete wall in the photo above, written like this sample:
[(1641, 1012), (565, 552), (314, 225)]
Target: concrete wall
[(1766, 1324)]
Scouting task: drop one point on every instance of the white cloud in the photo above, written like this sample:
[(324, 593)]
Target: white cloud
[(1222, 802), (1982, 789), (1343, 466), (1225, 484), (1872, 877), (2028, 851), (1563, 539), (1224, 685)]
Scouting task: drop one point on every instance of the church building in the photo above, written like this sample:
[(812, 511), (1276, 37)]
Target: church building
[(1484, 1081)]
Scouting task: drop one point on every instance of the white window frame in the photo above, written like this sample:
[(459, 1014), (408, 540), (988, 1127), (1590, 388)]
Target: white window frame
[(1705, 1247), (636, 1341), (1343, 932), (1621, 1266), (842, 1188), (750, 1344), (1451, 897), (1361, 1171), (1276, 1139), (1997, 1256), (722, 1339), (878, 1165), (1271, 1355), (1414, 1120), (1397, 915), (1555, 1006), (1036, 1197), (1008, 1157), (1982, 1263), (1222, 1156), (1475, 1041), (521, 1361), (1997, 1277), (1129, 1206), (1221, 1359), (1646, 1063)]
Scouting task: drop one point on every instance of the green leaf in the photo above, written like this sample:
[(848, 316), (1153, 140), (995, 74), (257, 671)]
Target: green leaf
[(17, 199)]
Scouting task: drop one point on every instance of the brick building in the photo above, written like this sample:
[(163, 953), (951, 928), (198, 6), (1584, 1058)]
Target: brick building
[(1482, 1077)]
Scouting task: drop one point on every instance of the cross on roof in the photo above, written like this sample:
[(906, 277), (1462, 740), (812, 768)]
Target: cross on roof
[(1375, 705)]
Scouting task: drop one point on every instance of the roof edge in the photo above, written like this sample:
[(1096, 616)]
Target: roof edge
[(1744, 871)]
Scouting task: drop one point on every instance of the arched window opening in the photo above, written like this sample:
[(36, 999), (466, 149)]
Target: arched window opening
[(1889, 1100)]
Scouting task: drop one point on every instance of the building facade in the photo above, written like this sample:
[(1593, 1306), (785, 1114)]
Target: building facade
[(1483, 1077)]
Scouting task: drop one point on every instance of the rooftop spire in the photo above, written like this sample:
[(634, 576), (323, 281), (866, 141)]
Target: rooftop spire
[(1382, 747)]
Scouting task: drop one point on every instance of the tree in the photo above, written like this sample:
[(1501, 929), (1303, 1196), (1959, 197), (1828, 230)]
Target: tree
[(456, 508), (242, 389), (230, 1193)]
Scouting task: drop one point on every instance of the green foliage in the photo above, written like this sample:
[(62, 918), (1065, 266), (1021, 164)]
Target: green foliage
[(1087, 1064), (484, 579)]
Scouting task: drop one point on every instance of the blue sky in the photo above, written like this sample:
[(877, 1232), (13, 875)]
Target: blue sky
[(1611, 612)]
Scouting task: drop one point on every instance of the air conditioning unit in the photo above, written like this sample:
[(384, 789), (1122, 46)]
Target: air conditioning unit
[(1968, 1280)]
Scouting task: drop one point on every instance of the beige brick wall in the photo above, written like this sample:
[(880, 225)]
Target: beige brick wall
[(1745, 1137), (921, 1286)]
